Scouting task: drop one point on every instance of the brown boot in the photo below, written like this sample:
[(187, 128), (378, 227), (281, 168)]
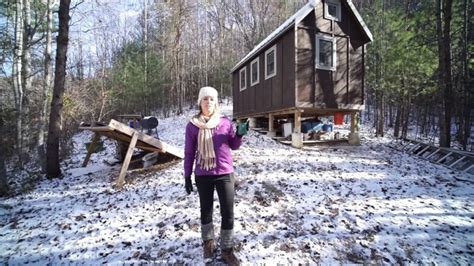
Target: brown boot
[(229, 257), (208, 247)]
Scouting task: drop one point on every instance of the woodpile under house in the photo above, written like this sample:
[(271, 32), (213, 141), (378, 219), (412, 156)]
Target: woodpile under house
[(311, 65)]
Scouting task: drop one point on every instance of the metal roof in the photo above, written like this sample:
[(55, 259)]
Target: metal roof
[(294, 20)]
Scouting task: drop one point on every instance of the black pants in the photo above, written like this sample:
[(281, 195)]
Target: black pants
[(224, 184)]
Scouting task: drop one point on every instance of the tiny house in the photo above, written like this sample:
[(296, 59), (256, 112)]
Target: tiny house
[(312, 64)]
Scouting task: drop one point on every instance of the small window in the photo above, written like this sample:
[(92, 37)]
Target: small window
[(243, 79), (270, 62), (325, 52), (332, 10), (254, 72)]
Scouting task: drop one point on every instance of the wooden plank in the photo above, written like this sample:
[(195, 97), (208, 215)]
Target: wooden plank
[(122, 132), (309, 142), (471, 154), (469, 168), (431, 155), (414, 147), (122, 128), (286, 112), (444, 157), (97, 129), (155, 143), (91, 149), (121, 178), (456, 162), (423, 150), (130, 116)]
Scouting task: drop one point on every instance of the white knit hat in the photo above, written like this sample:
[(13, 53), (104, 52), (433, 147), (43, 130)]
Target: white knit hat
[(207, 91)]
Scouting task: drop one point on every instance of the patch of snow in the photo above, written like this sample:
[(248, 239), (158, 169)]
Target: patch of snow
[(320, 204)]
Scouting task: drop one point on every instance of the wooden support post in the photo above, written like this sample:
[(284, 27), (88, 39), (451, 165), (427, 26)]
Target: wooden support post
[(354, 138), (270, 123), (91, 149), (353, 122), (297, 127), (121, 178)]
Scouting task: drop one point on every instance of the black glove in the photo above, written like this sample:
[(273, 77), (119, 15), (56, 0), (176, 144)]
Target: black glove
[(188, 185), (242, 128)]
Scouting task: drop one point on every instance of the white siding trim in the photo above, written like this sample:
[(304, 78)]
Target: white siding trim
[(273, 48), (334, 52), (290, 22), (256, 60), (243, 86), (338, 10)]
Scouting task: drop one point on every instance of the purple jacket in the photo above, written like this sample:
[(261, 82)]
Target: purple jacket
[(224, 139)]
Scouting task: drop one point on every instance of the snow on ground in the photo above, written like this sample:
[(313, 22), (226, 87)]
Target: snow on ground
[(320, 204)]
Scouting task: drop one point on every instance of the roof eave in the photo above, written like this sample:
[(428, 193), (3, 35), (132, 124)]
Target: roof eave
[(290, 22), (361, 21)]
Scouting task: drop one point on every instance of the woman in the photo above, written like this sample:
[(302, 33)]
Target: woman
[(209, 140)]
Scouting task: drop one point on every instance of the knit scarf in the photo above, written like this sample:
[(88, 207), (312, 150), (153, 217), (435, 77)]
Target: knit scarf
[(206, 156)]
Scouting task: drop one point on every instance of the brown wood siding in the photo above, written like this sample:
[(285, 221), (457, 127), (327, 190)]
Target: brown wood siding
[(259, 88), (236, 96), (274, 93), (334, 89), (297, 82), (341, 85), (347, 26), (287, 93), (305, 61), (356, 74)]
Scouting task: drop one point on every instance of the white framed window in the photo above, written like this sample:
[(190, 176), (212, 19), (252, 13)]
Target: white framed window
[(243, 78), (255, 72), (270, 62), (325, 52), (332, 10)]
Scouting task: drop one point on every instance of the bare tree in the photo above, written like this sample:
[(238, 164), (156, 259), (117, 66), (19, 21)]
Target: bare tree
[(54, 132), (4, 188), (443, 15), (45, 88), (18, 75), (467, 89)]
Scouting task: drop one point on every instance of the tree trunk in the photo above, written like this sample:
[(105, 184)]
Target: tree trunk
[(46, 87), (17, 76), (145, 45), (4, 188), (26, 65), (406, 116), (466, 80), (390, 116), (54, 132), (445, 81), (424, 120), (380, 114), (398, 118)]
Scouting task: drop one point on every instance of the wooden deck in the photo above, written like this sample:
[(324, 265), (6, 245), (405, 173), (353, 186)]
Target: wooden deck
[(134, 138)]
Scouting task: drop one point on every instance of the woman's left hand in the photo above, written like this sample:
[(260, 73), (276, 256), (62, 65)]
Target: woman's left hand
[(188, 185), (242, 128)]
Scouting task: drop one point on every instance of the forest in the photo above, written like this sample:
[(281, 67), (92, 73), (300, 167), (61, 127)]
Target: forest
[(63, 62)]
